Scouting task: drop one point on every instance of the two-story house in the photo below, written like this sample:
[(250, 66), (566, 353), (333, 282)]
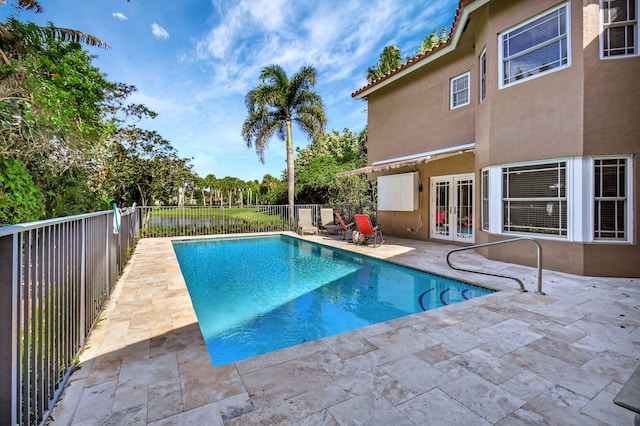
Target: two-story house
[(525, 123)]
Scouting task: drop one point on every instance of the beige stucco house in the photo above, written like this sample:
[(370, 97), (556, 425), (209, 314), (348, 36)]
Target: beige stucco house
[(526, 123)]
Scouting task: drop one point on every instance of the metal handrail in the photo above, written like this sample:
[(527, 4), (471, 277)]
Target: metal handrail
[(539, 248)]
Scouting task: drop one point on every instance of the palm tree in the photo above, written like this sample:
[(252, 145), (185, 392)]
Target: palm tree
[(390, 59), (7, 40), (275, 105), (433, 40)]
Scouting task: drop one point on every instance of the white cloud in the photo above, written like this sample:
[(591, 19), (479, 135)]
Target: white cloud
[(159, 32), (336, 37), (119, 16), (340, 38), (271, 14)]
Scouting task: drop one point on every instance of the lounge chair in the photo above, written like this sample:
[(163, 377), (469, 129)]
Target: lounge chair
[(327, 222), (305, 223), (366, 231), (347, 229)]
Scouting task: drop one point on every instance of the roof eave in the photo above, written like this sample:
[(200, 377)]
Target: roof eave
[(451, 45)]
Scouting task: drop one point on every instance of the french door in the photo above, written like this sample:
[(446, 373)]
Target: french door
[(451, 209)]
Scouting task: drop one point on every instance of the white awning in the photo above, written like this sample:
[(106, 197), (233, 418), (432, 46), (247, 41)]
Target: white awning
[(410, 160)]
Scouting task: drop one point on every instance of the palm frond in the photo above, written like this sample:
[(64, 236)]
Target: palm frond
[(278, 101), (33, 5), (75, 36), (276, 77)]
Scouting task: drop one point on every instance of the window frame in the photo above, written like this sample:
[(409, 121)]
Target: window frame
[(604, 28), (628, 198), (485, 199), (466, 75), (501, 59), (482, 75), (564, 233)]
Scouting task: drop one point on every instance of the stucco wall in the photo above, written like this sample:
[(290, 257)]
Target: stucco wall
[(396, 223), (591, 107), (562, 114), (611, 126), (538, 118), (412, 115)]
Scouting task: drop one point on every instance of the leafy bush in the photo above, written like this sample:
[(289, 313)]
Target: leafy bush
[(20, 199)]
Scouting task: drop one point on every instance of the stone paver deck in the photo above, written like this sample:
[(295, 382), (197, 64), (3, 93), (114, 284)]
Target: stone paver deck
[(509, 358)]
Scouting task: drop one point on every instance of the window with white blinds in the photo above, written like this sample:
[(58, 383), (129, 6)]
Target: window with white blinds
[(534, 198), (619, 36), (610, 199), (538, 46)]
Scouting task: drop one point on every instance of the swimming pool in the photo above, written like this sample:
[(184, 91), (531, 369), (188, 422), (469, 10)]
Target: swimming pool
[(260, 294)]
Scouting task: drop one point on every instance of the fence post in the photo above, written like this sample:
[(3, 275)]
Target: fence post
[(8, 329), (82, 329)]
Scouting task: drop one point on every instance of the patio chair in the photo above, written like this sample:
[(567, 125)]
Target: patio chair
[(305, 223), (347, 229), (366, 231), (327, 222)]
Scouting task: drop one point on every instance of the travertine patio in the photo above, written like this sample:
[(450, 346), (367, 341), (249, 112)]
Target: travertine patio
[(509, 358)]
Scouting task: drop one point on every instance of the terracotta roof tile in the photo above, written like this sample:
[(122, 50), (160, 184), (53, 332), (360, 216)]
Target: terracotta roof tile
[(412, 61)]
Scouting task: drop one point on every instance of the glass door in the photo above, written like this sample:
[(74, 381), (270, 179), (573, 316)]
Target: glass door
[(452, 207)]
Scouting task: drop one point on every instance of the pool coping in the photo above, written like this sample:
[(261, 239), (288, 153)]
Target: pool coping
[(288, 239)]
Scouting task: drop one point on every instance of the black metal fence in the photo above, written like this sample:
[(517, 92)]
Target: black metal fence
[(197, 220), (56, 275)]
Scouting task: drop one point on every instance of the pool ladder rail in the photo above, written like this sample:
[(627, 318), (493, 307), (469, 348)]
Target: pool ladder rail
[(539, 249)]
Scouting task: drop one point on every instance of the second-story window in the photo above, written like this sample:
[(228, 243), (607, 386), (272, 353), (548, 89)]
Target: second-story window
[(535, 47), (619, 36), (460, 90), (483, 75)]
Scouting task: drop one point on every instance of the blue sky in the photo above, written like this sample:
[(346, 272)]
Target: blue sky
[(193, 61)]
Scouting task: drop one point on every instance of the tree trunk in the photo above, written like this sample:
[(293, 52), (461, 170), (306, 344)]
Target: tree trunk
[(290, 171)]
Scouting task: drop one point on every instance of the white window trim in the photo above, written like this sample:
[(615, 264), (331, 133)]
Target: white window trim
[(636, 34), (486, 189), (580, 180), (496, 209), (580, 194), (495, 199), (482, 75), (591, 200), (453, 79), (568, 197), (501, 84)]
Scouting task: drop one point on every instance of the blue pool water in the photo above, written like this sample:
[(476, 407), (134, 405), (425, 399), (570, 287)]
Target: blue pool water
[(261, 294)]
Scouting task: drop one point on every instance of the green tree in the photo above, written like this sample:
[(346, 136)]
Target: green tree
[(390, 59), (68, 127), (275, 105), (433, 40), (51, 118), (7, 39), (144, 168), (272, 190), (20, 199), (318, 164), (50, 101)]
